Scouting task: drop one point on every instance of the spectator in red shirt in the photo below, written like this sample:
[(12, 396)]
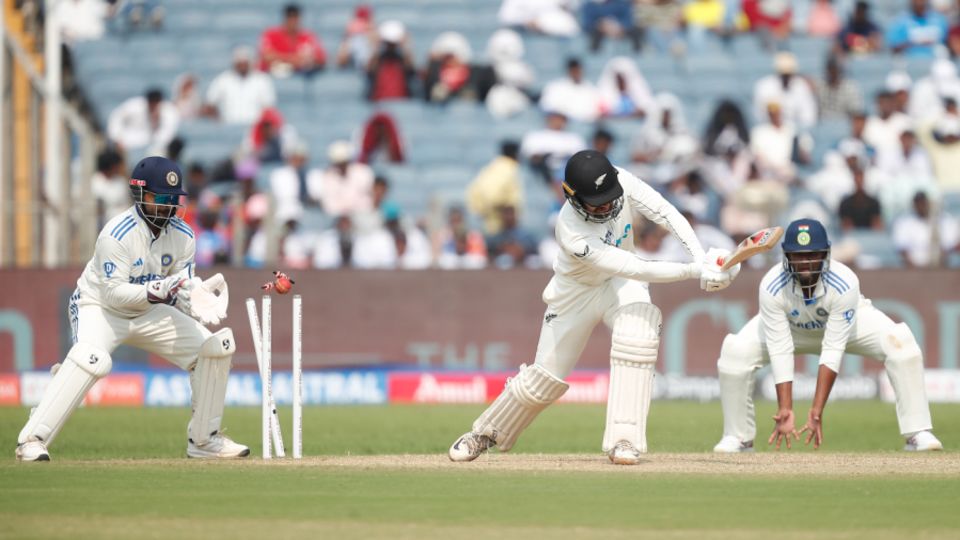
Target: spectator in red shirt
[(290, 48)]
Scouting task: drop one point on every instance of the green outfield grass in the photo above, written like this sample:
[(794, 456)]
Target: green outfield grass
[(90, 490)]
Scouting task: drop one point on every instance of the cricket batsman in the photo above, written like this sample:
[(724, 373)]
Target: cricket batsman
[(597, 278), (811, 304), (139, 289)]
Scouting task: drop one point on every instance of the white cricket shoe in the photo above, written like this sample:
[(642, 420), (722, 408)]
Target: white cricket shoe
[(218, 446), (923, 441), (732, 445), (32, 451), (624, 453), (469, 447)]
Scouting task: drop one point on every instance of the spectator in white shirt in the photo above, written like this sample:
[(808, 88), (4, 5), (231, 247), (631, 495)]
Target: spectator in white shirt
[(883, 129), (547, 150), (109, 186), (572, 95), (346, 187), (913, 234), (239, 95), (772, 144), (551, 17), (293, 185), (186, 96), (910, 173), (623, 89), (144, 122), (792, 91), (926, 99)]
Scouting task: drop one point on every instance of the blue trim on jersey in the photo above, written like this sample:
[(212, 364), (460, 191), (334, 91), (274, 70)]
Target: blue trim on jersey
[(123, 223), (835, 282), (839, 280), (182, 227), (778, 282), (123, 232)]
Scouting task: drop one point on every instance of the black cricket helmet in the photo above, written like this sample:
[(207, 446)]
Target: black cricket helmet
[(591, 180)]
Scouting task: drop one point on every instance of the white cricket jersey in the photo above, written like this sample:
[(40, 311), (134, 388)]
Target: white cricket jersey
[(127, 256), (829, 316), (592, 253)]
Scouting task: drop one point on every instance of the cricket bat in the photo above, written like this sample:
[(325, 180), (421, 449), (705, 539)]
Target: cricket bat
[(758, 242)]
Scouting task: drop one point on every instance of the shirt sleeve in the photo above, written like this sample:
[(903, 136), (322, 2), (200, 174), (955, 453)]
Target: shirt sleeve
[(779, 341), (186, 266), (594, 252), (897, 34), (654, 207), (113, 266), (843, 319)]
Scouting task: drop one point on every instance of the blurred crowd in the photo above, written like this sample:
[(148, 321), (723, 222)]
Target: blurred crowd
[(752, 165)]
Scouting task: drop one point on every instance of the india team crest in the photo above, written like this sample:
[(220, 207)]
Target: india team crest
[(172, 178), (803, 238)]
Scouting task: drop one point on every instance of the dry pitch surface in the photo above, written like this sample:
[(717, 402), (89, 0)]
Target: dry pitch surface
[(759, 464)]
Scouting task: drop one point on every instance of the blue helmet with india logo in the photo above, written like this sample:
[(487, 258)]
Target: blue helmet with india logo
[(156, 185), (806, 251)]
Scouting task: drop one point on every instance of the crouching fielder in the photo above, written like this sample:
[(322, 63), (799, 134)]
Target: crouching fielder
[(812, 305), (596, 277), (139, 290)]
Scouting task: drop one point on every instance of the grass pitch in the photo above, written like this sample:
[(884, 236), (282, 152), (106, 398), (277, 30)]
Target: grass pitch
[(380, 472)]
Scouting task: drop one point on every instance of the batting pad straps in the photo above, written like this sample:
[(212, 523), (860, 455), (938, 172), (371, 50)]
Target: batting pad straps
[(521, 401), (208, 383), (85, 365), (633, 354)]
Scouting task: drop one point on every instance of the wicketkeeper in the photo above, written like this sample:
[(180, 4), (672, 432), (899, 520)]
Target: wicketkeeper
[(139, 289)]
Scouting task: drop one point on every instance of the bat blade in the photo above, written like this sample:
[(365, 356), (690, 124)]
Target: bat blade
[(758, 242)]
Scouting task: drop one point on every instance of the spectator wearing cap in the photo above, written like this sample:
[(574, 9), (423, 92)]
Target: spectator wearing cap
[(882, 130), (913, 234), (290, 48), (147, 122), (391, 71), (609, 18), (837, 95), (572, 95), (860, 35), (791, 91), (450, 75), (941, 138), (550, 17), (240, 95), (918, 31), (295, 185), (547, 150), (515, 78), (900, 83), (909, 172), (346, 186), (497, 184), (623, 91), (270, 138), (359, 39), (926, 99)]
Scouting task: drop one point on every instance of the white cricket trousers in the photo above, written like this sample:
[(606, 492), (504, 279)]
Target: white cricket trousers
[(573, 310), (875, 336)]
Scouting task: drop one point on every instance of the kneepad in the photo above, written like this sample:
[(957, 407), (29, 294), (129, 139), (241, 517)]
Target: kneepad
[(899, 344), (208, 384), (520, 402), (633, 355), (84, 366)]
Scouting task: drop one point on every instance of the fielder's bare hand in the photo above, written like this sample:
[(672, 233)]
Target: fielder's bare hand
[(784, 429), (814, 426)]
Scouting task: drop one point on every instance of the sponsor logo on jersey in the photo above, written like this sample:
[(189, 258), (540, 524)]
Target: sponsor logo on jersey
[(809, 325), (586, 250), (138, 262), (795, 313), (549, 317), (626, 231), (166, 259), (109, 268), (848, 315), (822, 312), (140, 280)]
